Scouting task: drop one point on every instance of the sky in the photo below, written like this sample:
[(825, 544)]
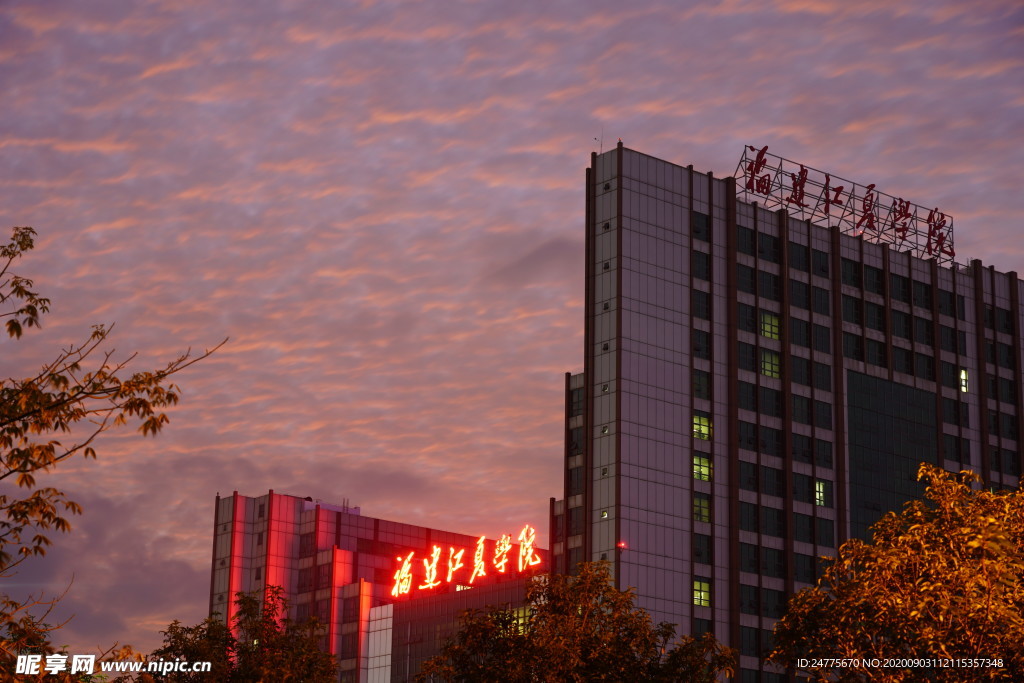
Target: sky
[(380, 204)]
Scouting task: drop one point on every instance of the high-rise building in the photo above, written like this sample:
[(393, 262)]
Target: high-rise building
[(767, 359), (387, 594)]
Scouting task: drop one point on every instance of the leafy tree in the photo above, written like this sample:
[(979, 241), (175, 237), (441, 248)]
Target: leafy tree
[(576, 628), (47, 416), (262, 645), (943, 579)]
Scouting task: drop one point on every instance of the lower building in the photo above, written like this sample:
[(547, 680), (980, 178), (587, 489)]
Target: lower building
[(388, 594)]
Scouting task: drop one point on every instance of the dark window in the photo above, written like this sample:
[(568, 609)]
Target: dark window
[(575, 402), (823, 453), (902, 360), (349, 642), (801, 409), (1009, 426), (853, 346), (771, 402), (748, 517), (951, 411), (745, 240), (749, 645), (771, 521), (575, 521), (772, 563), (922, 295), (804, 567), (851, 272), (701, 384), (874, 280), (924, 366), (769, 286), (746, 279), (822, 377), (701, 343), (876, 353), (800, 370), (947, 303), (771, 481), (803, 448), (821, 301), (800, 294), (748, 558), (853, 310), (822, 339), (748, 436), (952, 340), (749, 599), (701, 302), (800, 332), (950, 376), (748, 476), (747, 315), (770, 441), (823, 415), (700, 265), (874, 316), (350, 610), (701, 227), (826, 532), (747, 356), (747, 396), (1004, 320), (576, 441), (923, 331), (803, 528), (798, 257), (1005, 356), (773, 602), (702, 548), (803, 488), (900, 325), (819, 261), (575, 481), (768, 248), (899, 288)]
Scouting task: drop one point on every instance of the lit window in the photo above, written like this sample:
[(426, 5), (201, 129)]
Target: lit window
[(701, 507), (769, 325), (702, 426), (702, 592), (822, 493), (771, 363), (963, 381), (701, 468)]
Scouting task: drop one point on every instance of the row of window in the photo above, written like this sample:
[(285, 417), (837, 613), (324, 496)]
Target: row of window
[(770, 522), (771, 481), (772, 562), (769, 441), (769, 248)]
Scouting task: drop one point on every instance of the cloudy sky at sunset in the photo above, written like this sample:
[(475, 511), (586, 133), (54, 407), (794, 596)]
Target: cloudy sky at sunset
[(381, 204)]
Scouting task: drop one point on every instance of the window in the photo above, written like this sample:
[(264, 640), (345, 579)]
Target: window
[(801, 409), (821, 302), (702, 548), (575, 402), (800, 332), (701, 341), (802, 490), (1004, 320), (874, 316), (701, 304), (745, 240), (701, 229), (853, 346), (798, 257), (902, 360), (748, 517), (771, 363), (822, 339), (803, 528), (350, 610), (575, 481), (803, 448), (876, 353), (576, 441), (748, 558), (770, 287), (800, 294), (700, 265), (747, 396), (947, 303), (768, 247), (951, 411), (922, 294), (826, 532), (748, 436), (770, 441), (259, 538), (924, 366), (770, 402), (701, 467), (853, 310), (747, 316), (307, 544), (747, 356), (575, 521), (746, 280), (949, 375), (701, 425), (701, 507), (771, 519), (899, 287), (851, 272), (748, 599), (823, 493), (804, 568), (874, 280), (701, 384), (819, 261), (823, 453), (772, 563), (771, 481), (800, 370), (770, 325), (702, 592), (822, 377), (923, 331), (953, 341), (900, 325), (773, 602)]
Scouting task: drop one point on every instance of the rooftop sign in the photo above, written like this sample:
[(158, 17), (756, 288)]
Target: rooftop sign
[(833, 202), (463, 569)]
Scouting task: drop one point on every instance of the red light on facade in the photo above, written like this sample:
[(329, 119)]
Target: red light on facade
[(621, 545)]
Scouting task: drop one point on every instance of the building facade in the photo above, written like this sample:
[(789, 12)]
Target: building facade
[(760, 385), (388, 594)]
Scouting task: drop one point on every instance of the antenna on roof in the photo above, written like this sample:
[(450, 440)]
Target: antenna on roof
[(600, 141)]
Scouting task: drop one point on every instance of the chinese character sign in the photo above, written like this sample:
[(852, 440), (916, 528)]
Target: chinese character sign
[(423, 571), (818, 197)]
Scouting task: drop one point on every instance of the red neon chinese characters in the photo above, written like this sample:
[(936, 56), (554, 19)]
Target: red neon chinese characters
[(834, 199), (762, 184), (478, 560), (937, 233), (527, 558), (403, 577), (454, 561), (430, 570), (900, 214), (867, 208), (796, 196), (501, 549)]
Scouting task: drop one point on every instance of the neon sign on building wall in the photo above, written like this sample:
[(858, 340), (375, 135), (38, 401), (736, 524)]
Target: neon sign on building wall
[(464, 568)]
